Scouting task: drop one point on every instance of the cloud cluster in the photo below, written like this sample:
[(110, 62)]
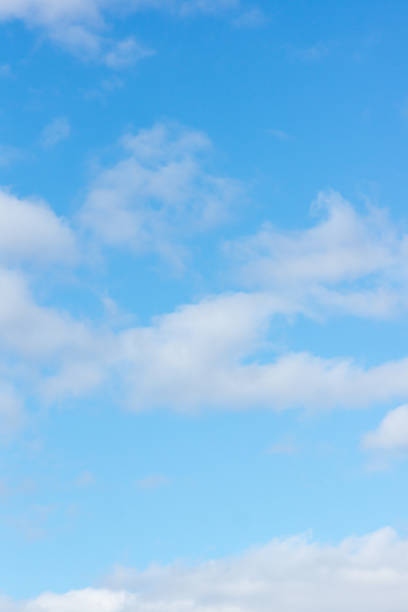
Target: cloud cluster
[(361, 573), (81, 25), (159, 193), (348, 262), (216, 353)]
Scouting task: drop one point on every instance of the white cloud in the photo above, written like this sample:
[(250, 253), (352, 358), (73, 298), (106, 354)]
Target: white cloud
[(217, 353), (392, 432), (57, 130), (31, 231), (126, 53), (201, 357), (296, 574), (348, 262), (158, 194), (79, 25), (206, 356)]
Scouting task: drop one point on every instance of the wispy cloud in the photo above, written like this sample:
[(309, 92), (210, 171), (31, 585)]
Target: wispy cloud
[(58, 130), (310, 54), (252, 18), (126, 53), (80, 26), (279, 134)]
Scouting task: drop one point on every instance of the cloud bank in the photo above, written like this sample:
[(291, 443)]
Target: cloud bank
[(296, 574)]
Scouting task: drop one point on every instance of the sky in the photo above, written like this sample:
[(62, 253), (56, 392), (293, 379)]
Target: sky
[(203, 313)]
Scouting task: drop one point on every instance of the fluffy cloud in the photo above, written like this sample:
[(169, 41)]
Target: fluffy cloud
[(159, 193), (206, 356), (202, 356), (361, 573), (348, 261), (42, 338), (30, 231), (214, 354), (392, 433)]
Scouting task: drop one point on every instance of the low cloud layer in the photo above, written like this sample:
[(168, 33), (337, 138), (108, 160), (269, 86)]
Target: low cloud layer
[(217, 353), (296, 574)]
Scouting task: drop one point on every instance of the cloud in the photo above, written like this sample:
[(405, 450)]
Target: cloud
[(159, 194), (392, 433), (203, 356), (310, 54), (126, 53), (206, 356), (31, 231), (252, 18), (279, 134), (347, 262), (215, 354), (297, 574), (58, 130), (79, 25)]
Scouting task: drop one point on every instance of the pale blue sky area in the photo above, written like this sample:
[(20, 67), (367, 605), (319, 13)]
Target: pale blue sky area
[(203, 313)]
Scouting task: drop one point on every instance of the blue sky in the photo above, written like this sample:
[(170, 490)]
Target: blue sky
[(204, 288)]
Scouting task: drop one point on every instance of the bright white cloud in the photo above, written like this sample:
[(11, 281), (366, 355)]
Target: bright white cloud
[(297, 574), (202, 356), (349, 261), (214, 354), (392, 432), (57, 130), (159, 194), (207, 356), (31, 231)]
